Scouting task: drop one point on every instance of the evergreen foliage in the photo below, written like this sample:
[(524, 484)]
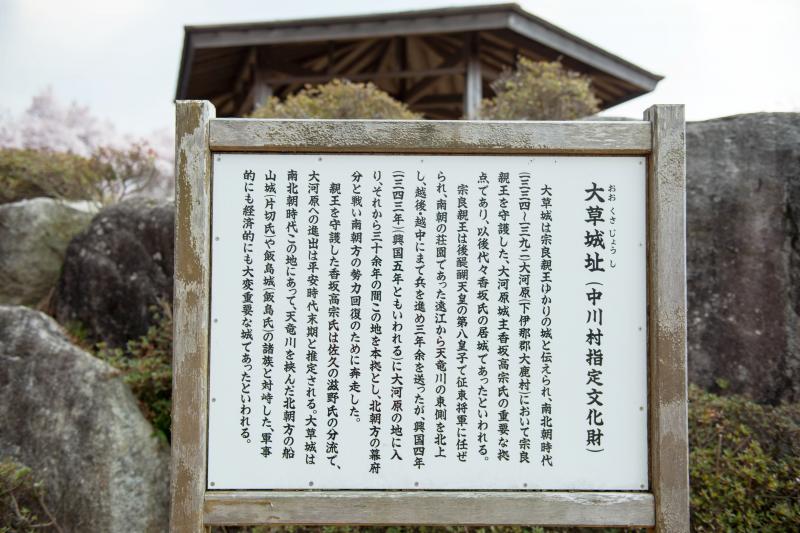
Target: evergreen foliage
[(108, 176), (336, 99), (540, 90)]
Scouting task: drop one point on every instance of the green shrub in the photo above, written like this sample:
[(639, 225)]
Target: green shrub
[(744, 464), (22, 507), (109, 175), (146, 366), (336, 99), (27, 173), (540, 91)]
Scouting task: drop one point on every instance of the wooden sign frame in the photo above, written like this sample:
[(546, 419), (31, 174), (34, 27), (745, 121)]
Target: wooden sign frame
[(660, 137)]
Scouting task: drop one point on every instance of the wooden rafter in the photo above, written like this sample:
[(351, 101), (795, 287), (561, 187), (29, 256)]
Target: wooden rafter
[(442, 47), (521, 45), (380, 59), (401, 63), (318, 61), (354, 62), (419, 89), (364, 76)]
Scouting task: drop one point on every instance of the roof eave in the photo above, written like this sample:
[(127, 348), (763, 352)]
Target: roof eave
[(547, 34), (459, 19), (353, 19)]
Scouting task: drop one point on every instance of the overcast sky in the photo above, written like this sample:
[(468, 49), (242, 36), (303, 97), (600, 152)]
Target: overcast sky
[(120, 57)]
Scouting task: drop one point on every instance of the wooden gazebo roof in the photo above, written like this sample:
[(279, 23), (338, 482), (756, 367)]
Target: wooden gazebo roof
[(440, 62)]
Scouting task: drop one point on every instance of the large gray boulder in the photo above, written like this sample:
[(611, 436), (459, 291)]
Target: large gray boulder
[(71, 418), (743, 214), (117, 270), (34, 235)]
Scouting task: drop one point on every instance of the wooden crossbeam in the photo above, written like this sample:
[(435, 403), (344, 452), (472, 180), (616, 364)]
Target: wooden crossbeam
[(380, 59), (317, 60), (356, 60), (443, 47), (493, 56), (322, 78), (272, 63), (450, 63)]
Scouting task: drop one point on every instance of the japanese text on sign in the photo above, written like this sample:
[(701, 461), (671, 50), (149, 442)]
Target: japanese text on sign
[(432, 322)]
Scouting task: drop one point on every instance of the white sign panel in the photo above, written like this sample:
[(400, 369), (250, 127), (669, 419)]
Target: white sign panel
[(428, 322)]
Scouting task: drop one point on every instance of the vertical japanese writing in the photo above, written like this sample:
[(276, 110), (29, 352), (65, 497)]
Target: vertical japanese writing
[(612, 225), (248, 278), (376, 297), (482, 345), (440, 316), (431, 322), (356, 248), (334, 295), (312, 318), (398, 247), (524, 332), (503, 318), (546, 331), (420, 283), (462, 278), (268, 320), (593, 264), (290, 318)]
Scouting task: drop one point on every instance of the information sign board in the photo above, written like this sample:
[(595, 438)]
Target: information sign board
[(437, 322), (445, 322)]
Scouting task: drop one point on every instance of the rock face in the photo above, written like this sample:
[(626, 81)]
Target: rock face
[(743, 214), (117, 270), (71, 418), (34, 235)]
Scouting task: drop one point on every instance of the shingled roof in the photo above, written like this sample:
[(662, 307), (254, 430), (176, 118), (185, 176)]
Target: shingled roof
[(440, 61)]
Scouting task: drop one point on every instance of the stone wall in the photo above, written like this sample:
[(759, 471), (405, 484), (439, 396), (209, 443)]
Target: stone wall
[(743, 212)]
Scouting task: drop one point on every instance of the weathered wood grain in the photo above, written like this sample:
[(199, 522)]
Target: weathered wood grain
[(191, 304), (449, 137), (428, 507), (666, 214)]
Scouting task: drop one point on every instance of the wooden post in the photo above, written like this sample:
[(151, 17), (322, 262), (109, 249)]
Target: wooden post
[(472, 79), (261, 90), (191, 304), (666, 185)]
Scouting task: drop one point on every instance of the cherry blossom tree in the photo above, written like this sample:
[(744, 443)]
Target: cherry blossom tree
[(143, 166)]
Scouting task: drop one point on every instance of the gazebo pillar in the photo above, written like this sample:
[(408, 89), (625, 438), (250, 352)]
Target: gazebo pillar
[(261, 90), (473, 86)]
